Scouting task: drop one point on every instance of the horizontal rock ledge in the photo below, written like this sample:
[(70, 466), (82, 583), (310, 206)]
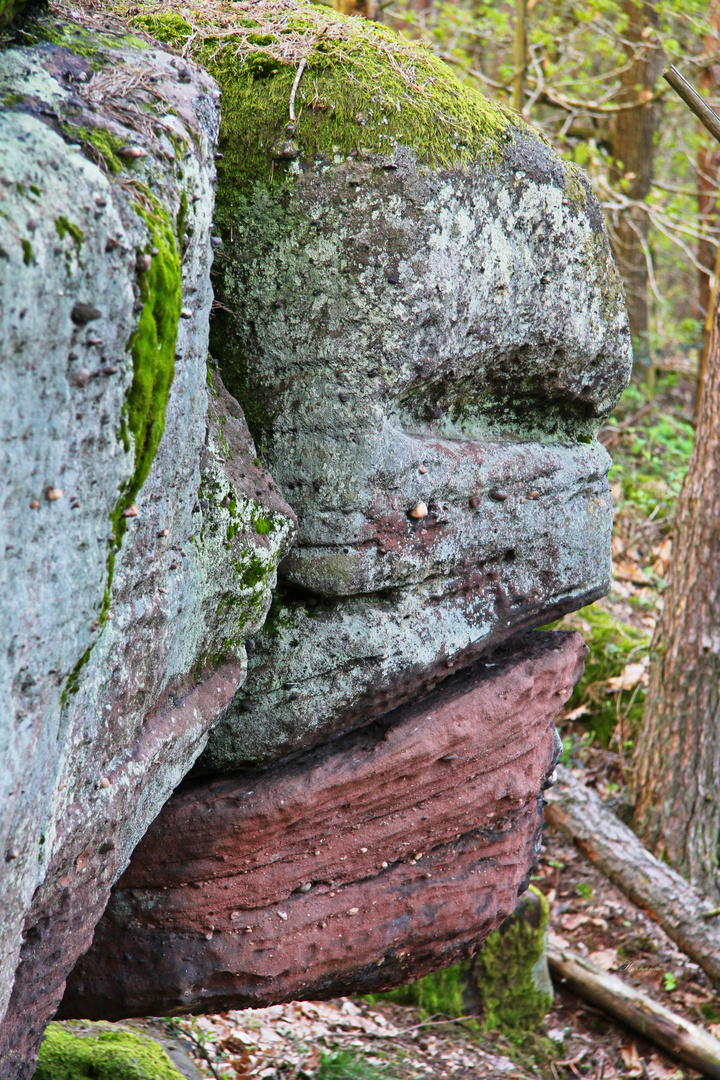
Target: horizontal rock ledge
[(390, 852)]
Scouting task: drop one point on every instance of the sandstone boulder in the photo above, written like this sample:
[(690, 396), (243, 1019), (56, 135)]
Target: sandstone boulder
[(387, 853), (135, 563), (419, 313)]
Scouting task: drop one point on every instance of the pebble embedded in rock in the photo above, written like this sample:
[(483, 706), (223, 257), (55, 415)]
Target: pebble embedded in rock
[(53, 494), (132, 152), (419, 511), (82, 314), (132, 511)]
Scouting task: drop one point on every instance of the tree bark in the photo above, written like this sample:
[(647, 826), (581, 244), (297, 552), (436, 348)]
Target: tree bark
[(634, 153), (708, 164), (686, 916), (680, 1038), (677, 774)]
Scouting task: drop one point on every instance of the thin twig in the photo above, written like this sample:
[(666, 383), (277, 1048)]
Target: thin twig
[(293, 92)]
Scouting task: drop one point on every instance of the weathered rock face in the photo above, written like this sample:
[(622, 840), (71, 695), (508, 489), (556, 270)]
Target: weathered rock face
[(389, 852), (424, 331), (134, 566)]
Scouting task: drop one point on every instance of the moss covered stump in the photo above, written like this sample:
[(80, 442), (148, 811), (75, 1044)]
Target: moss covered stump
[(511, 973), (98, 1052)]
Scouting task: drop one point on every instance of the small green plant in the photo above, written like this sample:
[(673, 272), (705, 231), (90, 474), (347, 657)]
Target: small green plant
[(584, 890), (347, 1065), (669, 981)]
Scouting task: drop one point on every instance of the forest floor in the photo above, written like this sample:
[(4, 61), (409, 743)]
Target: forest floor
[(650, 438)]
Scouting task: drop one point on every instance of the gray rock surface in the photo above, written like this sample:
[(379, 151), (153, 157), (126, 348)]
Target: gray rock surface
[(426, 355), (119, 649)]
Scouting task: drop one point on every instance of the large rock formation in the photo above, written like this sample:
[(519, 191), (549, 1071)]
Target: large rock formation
[(418, 313), (383, 855), (134, 566)]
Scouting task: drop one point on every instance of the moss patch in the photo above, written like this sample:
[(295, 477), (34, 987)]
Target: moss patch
[(152, 346), (101, 1053), (100, 146), (362, 87), (440, 992), (511, 972), (8, 10), (65, 227)]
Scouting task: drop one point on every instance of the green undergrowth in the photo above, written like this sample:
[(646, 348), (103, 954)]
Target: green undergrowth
[(651, 443), (348, 1065), (100, 1053), (363, 87), (650, 462), (613, 644)]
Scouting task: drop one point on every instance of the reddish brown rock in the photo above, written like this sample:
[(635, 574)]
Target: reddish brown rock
[(388, 853)]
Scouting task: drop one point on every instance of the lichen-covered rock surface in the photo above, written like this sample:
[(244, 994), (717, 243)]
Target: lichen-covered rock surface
[(139, 533), (420, 315), (387, 853)]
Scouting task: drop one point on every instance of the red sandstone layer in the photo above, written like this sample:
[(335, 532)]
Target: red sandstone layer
[(391, 851)]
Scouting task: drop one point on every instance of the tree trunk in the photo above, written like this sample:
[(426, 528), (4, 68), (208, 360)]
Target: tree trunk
[(633, 153), (708, 163), (678, 752)]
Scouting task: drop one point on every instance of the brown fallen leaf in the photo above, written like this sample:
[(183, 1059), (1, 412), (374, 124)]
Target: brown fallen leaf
[(632, 1060), (573, 921), (607, 959), (627, 570), (629, 677)]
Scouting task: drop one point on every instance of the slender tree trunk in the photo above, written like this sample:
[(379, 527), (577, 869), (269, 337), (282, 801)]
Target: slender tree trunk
[(677, 774), (634, 153), (520, 56), (708, 164)]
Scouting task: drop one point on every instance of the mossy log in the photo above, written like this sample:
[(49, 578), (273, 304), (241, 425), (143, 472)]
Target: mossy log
[(680, 1038), (686, 916)]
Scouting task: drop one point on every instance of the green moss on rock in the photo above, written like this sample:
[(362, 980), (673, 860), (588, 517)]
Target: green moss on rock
[(362, 87), (511, 973), (97, 1052), (440, 992), (8, 10), (65, 227)]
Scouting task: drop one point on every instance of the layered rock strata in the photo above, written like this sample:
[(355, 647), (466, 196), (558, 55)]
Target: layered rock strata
[(390, 852), (134, 564)]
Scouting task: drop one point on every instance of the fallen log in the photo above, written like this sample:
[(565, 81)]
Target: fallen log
[(686, 1042), (686, 916)]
